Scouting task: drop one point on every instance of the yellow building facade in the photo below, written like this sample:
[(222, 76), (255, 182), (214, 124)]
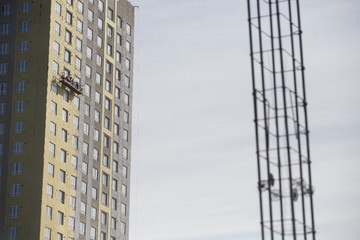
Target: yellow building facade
[(65, 118)]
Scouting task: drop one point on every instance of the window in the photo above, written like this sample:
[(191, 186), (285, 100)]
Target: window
[(84, 167), (80, 7), (98, 60), (55, 67), (5, 10), (2, 109), (110, 14), (123, 209), (87, 109), (105, 179), (109, 50), (90, 15), (1, 149), (23, 46), (60, 218), (53, 128), (16, 169), (102, 236), (68, 36), (115, 166), (15, 190), (87, 90), (106, 161), (86, 128), (62, 176), (125, 135), (71, 223), (88, 71), (118, 58), (18, 148), (53, 107), (104, 199), (84, 187), (78, 63), (99, 42), (124, 190), (127, 63), (114, 184), (100, 24), (82, 228), (78, 44), (20, 86), (116, 129), (94, 193), (48, 213), (79, 25), (90, 34), (85, 148), (49, 191), (47, 233), (128, 46), (92, 233), (70, 2), (3, 68), (25, 7), (58, 8), (116, 147), (122, 227), (113, 223), (96, 135), (76, 122), (83, 208), (51, 170), (76, 102), (13, 233), (127, 81), (118, 39), (69, 17), (95, 173), (57, 28), (107, 123), (72, 202), (22, 66), (65, 115), (125, 153), (117, 110), (97, 97), (62, 155), (126, 117), (126, 99), (73, 180), (96, 154), (89, 52), (108, 67), (113, 203), (107, 103), (2, 130), (106, 141), (4, 48), (52, 149), (98, 78), (74, 161), (103, 218), (93, 213), (128, 29), (67, 56), (61, 196), (101, 6), (3, 88), (4, 29), (97, 116), (56, 47), (14, 211), (110, 31), (24, 26)]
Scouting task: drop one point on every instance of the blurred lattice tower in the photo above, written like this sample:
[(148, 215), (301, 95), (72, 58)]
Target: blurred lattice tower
[(281, 125)]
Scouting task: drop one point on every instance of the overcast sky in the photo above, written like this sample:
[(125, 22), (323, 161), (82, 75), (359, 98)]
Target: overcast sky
[(193, 151)]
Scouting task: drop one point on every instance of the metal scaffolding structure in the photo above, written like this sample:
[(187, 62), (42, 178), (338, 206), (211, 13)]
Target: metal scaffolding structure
[(281, 123)]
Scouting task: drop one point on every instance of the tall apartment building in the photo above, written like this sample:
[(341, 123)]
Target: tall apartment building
[(65, 118)]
